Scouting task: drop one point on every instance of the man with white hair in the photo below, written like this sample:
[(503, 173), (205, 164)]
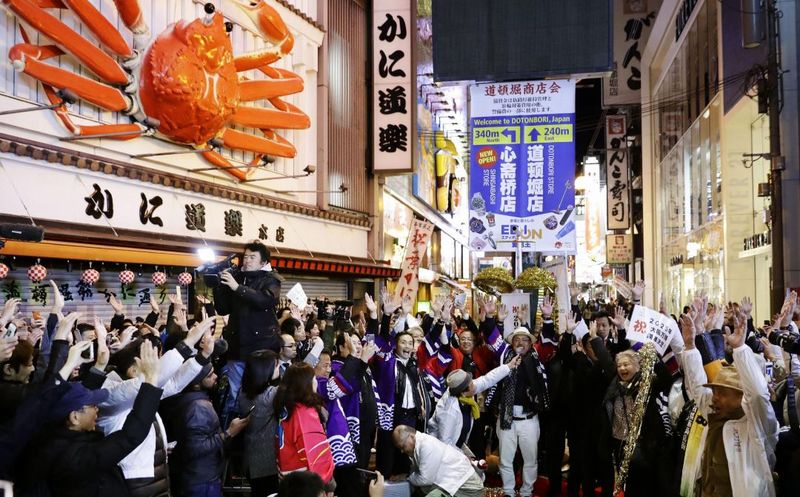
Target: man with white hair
[(438, 469)]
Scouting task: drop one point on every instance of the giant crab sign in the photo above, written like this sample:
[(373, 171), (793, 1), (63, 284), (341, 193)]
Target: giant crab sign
[(184, 85)]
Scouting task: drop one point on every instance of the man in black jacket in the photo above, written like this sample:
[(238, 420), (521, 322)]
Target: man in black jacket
[(197, 460), (249, 298), (79, 461)]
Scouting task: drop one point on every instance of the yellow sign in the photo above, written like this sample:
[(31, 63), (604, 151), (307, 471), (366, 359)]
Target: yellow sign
[(496, 135), (548, 133)]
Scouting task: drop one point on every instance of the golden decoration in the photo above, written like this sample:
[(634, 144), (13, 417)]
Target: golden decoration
[(647, 360), (535, 277), (494, 280)]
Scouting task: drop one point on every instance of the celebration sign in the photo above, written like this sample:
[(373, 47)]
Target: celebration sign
[(647, 325), (418, 237), (522, 166)]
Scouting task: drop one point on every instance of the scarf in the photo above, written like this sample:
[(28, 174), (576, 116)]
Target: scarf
[(409, 369), (470, 402), (507, 402), (715, 474)]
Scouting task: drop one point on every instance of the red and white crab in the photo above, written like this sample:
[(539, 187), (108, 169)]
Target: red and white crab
[(185, 83)]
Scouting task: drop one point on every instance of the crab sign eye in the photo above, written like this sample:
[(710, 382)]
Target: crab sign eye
[(228, 27), (253, 4)]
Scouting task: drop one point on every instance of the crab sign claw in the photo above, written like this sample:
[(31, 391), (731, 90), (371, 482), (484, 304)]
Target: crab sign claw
[(262, 18)]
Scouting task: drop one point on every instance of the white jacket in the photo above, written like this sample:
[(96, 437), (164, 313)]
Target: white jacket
[(174, 376), (749, 441), (447, 422), (438, 464)]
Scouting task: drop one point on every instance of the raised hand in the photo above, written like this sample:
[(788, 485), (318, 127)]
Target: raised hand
[(372, 307), (116, 305), (154, 306), (7, 346), (368, 350), (687, 331), (736, 338), (295, 312), (436, 307), (202, 299), (522, 313), (746, 306), (502, 312), (490, 305), (592, 330), (699, 311), (9, 311), (75, 358), (447, 310), (710, 319), (148, 363), (662, 303), (790, 304), (637, 291), (198, 330), (408, 304), (390, 303), (65, 326), (103, 354), (572, 322), (126, 336), (574, 291), (58, 299), (207, 344), (546, 307), (619, 317), (180, 318)]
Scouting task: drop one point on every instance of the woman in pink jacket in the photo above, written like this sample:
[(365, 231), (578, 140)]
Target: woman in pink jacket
[(301, 440)]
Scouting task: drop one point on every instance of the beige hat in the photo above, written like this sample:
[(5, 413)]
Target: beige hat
[(519, 331), (728, 377), (458, 381)]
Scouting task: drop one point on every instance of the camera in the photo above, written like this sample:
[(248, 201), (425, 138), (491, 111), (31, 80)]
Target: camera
[(785, 340), (339, 313), (211, 272)]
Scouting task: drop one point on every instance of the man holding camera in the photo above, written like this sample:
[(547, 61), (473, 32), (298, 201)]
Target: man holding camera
[(248, 296)]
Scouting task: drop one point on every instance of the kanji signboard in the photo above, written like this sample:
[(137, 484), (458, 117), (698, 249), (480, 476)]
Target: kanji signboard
[(522, 166), (393, 97), (418, 237), (617, 174)]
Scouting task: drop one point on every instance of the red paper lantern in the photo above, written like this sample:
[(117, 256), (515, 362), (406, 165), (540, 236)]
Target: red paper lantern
[(159, 278), (3, 271), (126, 277), (37, 273), (90, 276), (185, 279)]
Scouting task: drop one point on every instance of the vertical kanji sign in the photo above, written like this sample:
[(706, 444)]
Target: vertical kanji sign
[(418, 237), (633, 20), (393, 97), (617, 174)]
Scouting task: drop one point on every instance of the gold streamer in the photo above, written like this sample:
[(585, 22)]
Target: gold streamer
[(647, 360)]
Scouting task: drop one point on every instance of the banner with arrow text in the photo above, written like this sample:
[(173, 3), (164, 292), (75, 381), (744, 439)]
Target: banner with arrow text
[(522, 171)]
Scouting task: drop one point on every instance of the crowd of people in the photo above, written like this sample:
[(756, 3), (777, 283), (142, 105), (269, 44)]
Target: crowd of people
[(314, 399)]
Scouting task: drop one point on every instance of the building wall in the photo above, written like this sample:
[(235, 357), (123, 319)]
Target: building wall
[(18, 90)]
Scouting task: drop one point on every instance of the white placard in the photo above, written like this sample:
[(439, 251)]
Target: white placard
[(513, 302), (648, 325), (297, 295), (393, 97), (580, 330)]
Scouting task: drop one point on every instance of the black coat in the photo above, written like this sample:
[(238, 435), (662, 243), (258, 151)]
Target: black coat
[(253, 324), (197, 456), (85, 464)]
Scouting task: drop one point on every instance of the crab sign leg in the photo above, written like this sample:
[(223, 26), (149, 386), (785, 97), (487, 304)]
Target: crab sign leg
[(99, 62), (48, 51), (105, 32), (218, 160), (271, 144), (281, 82), (269, 23)]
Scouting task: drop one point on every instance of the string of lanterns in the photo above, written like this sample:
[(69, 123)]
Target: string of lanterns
[(37, 273)]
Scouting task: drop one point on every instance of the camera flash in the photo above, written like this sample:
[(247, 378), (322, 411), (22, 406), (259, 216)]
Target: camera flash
[(206, 254)]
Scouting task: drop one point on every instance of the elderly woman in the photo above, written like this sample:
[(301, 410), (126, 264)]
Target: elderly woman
[(650, 469)]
